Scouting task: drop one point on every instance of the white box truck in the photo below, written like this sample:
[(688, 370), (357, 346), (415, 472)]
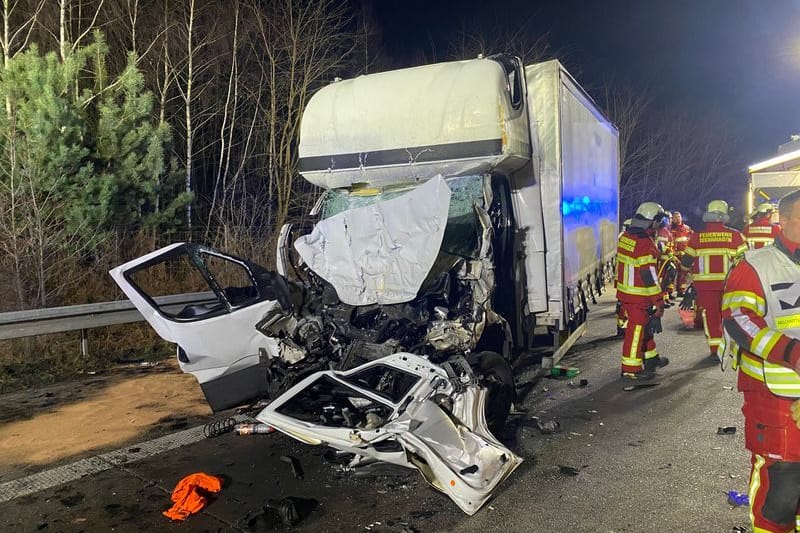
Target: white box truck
[(463, 206)]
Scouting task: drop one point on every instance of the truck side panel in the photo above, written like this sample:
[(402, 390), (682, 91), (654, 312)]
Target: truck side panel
[(578, 182), (590, 190)]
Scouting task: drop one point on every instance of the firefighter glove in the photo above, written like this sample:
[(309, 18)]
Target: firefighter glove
[(654, 324), (689, 297), (657, 310), (796, 412)]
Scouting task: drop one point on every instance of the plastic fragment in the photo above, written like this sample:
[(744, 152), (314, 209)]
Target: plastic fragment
[(564, 371), (726, 430), (738, 499)]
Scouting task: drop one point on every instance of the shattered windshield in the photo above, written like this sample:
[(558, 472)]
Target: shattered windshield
[(461, 232)]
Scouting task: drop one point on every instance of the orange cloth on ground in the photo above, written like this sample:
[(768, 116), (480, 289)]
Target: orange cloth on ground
[(189, 495)]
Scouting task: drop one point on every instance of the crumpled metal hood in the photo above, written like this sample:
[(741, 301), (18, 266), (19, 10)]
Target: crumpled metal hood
[(380, 253)]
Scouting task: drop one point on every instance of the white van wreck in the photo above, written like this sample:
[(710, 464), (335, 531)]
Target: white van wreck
[(466, 206)]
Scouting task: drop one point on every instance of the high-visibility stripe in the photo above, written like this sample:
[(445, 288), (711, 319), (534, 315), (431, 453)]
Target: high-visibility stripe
[(690, 251), (779, 379), (764, 341), (788, 321), (650, 354), (639, 291), (717, 251), (638, 261), (710, 277), (751, 367), (759, 229), (755, 484), (637, 334), (746, 299), (757, 529), (631, 358)]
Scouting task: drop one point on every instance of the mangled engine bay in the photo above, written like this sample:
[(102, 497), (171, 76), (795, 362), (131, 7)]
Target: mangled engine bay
[(372, 348), (443, 317)]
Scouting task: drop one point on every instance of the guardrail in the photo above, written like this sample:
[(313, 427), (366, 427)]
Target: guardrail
[(18, 324)]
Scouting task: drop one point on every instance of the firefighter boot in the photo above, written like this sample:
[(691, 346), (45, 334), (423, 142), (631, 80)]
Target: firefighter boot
[(655, 363), (642, 375)]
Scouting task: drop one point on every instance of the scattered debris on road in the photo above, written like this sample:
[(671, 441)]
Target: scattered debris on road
[(294, 462), (738, 499), (726, 430), (219, 427), (640, 386), (578, 384), (192, 494), (253, 428), (569, 470), (548, 427), (560, 371)]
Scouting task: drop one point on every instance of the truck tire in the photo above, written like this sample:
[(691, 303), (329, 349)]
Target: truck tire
[(495, 374)]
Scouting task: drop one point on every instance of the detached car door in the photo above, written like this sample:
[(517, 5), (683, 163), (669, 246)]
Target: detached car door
[(223, 298)]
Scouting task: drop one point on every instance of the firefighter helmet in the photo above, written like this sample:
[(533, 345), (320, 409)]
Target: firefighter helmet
[(627, 223), (717, 206), (717, 211), (649, 211), (765, 208)]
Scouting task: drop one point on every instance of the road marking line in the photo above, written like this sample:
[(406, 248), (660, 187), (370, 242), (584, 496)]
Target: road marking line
[(92, 465)]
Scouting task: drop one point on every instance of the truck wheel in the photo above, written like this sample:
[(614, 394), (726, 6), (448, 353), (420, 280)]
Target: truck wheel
[(494, 374)]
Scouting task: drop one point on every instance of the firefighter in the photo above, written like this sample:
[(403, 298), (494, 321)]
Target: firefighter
[(761, 231), (666, 259), (680, 234), (709, 255), (639, 293), (761, 313)]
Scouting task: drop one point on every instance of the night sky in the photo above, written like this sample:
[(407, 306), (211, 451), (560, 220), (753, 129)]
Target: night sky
[(738, 60)]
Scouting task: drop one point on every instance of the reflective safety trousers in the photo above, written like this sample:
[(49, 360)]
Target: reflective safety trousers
[(774, 495), (638, 344)]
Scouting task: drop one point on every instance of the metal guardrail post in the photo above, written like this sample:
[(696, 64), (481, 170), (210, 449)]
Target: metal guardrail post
[(84, 343)]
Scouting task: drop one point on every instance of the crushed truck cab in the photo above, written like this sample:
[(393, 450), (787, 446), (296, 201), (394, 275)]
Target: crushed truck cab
[(465, 207)]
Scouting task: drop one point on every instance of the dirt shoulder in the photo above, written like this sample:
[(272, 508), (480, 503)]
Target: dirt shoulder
[(48, 426)]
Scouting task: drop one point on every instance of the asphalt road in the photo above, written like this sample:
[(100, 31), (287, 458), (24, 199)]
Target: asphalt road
[(648, 460)]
